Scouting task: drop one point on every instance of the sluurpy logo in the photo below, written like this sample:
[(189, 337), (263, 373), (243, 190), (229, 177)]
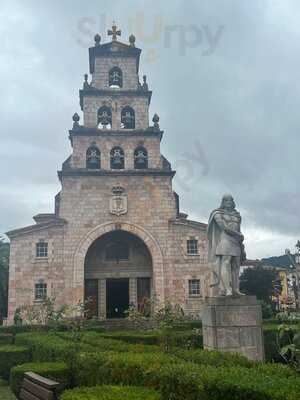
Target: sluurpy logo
[(176, 36)]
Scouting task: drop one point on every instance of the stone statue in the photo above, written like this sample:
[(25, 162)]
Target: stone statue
[(226, 250)]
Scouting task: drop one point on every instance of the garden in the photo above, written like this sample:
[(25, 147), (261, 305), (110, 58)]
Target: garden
[(165, 361)]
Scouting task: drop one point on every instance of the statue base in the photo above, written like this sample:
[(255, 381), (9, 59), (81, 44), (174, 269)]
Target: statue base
[(234, 324)]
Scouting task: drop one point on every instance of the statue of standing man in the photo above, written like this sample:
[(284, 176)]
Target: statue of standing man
[(226, 250)]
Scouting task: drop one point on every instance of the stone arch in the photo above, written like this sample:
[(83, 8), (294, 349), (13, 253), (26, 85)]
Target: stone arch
[(96, 233)]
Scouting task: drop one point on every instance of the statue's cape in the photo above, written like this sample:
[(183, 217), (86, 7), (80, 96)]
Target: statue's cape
[(214, 236)]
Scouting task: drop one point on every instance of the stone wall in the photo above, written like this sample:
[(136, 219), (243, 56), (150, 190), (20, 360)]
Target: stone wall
[(106, 143), (103, 66), (91, 105), (25, 270)]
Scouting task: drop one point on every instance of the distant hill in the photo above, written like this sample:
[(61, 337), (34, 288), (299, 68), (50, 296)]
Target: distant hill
[(280, 261)]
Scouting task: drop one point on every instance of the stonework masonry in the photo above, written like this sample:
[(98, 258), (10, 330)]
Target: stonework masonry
[(83, 213)]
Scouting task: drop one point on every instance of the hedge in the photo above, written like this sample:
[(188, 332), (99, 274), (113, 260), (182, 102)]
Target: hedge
[(182, 338), (101, 343), (57, 371), (6, 338), (111, 393), (50, 347), (114, 368), (60, 346), (11, 355), (214, 358), (185, 380)]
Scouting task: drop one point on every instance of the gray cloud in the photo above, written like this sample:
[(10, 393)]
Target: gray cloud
[(238, 104)]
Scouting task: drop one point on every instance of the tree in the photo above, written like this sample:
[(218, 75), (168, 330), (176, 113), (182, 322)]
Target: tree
[(4, 264), (260, 282)]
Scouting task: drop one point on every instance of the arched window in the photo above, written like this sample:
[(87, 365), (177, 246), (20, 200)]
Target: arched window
[(127, 118), (115, 78), (117, 158), (104, 118), (140, 158), (117, 251), (93, 158)]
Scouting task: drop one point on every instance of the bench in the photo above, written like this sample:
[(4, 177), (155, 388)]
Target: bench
[(36, 387)]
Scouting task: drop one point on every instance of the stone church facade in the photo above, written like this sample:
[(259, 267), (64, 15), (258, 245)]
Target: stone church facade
[(117, 235)]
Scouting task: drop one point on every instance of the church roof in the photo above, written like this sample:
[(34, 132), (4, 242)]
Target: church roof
[(55, 222)]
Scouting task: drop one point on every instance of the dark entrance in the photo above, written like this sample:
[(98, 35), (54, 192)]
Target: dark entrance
[(117, 297), (91, 297)]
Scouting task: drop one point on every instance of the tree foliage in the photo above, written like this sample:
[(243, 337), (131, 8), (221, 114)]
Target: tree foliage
[(4, 264), (260, 282)]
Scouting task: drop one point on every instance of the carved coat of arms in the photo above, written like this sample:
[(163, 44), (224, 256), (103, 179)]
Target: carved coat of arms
[(118, 201)]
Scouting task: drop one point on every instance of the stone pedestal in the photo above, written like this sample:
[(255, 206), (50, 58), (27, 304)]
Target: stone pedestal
[(234, 324)]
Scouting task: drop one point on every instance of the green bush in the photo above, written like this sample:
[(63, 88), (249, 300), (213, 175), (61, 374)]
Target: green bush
[(186, 380), (10, 356), (57, 371), (6, 338), (115, 368), (111, 393), (278, 369), (213, 358), (14, 329), (108, 344), (50, 347), (133, 337), (184, 338)]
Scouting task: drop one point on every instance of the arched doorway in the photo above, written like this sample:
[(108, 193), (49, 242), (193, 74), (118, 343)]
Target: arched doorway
[(117, 274)]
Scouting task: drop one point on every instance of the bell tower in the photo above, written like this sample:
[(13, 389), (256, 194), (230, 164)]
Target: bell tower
[(115, 107)]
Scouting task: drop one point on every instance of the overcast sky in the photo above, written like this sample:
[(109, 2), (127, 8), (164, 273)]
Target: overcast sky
[(225, 81)]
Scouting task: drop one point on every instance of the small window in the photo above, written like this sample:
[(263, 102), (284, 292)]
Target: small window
[(93, 158), (117, 251), (104, 118), (140, 158), (194, 287), (128, 118), (117, 158), (192, 246), (42, 249), (115, 78), (40, 291)]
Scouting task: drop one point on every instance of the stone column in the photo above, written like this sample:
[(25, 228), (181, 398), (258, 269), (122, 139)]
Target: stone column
[(102, 298), (234, 324)]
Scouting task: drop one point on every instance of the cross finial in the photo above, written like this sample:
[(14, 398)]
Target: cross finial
[(114, 32)]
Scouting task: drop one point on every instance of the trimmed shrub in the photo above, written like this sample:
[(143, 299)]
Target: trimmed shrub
[(101, 343), (115, 368), (185, 380), (50, 347), (10, 356), (134, 337), (213, 358), (14, 329), (272, 369), (6, 338), (111, 393), (57, 371), (181, 338)]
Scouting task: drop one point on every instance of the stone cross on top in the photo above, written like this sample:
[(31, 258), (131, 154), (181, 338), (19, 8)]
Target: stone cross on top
[(114, 32)]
